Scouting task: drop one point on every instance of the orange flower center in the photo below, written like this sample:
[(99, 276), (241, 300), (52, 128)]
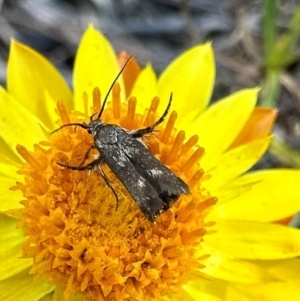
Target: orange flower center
[(76, 236)]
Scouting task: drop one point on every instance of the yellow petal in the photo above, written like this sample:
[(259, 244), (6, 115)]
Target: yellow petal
[(7, 154), (283, 270), (206, 290), (48, 297), (190, 78), (58, 295), (223, 266), (9, 200), (251, 240), (285, 287), (17, 124), (9, 171), (274, 291), (10, 249), (233, 163), (145, 88), (22, 287), (222, 122), (263, 196), (96, 65), (29, 76)]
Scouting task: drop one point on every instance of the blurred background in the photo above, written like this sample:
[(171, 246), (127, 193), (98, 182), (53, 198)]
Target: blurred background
[(256, 43)]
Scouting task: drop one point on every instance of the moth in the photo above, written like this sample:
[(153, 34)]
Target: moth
[(152, 185)]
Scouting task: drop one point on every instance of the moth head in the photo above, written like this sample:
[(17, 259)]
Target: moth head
[(92, 126)]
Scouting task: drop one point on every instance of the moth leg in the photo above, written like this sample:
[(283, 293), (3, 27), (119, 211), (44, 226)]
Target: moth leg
[(149, 129), (109, 184), (90, 166), (87, 154)]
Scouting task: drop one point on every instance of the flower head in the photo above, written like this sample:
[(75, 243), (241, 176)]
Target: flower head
[(91, 239)]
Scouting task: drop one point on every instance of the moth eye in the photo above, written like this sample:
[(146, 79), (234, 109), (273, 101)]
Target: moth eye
[(89, 131)]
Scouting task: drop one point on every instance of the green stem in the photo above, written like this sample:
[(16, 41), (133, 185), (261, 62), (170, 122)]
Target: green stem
[(271, 88), (285, 153), (269, 27)]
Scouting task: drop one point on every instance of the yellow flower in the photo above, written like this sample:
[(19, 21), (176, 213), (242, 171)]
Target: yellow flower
[(220, 242)]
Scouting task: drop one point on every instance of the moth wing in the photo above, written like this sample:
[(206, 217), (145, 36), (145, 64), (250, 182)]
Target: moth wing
[(168, 186), (141, 190)]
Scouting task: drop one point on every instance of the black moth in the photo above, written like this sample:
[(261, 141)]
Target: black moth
[(152, 185)]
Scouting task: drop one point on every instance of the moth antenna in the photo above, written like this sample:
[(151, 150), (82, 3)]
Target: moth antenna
[(91, 117), (82, 125), (112, 85)]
